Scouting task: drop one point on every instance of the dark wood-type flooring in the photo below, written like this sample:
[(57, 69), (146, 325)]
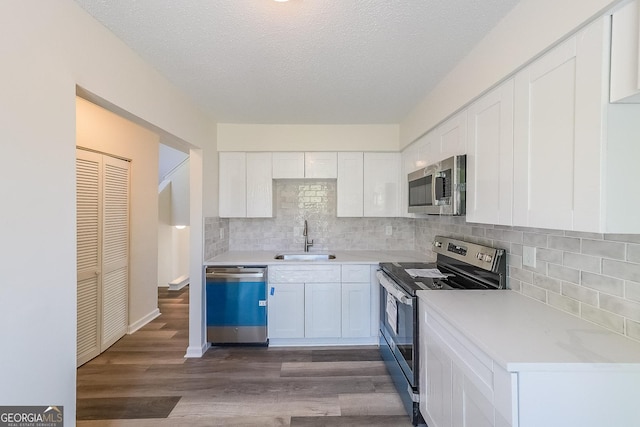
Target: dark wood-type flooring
[(145, 380)]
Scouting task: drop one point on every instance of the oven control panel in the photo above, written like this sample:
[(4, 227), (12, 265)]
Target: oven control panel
[(456, 249), (481, 256)]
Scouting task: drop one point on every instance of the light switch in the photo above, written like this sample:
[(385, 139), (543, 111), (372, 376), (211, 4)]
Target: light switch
[(388, 230), (529, 256)]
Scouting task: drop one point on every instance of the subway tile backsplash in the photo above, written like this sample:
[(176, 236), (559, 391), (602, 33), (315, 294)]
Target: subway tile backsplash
[(315, 201), (216, 236), (590, 275)]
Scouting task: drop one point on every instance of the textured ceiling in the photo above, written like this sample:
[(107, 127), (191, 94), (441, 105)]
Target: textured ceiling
[(304, 61)]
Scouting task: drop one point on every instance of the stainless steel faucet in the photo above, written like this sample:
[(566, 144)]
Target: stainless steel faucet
[(307, 243)]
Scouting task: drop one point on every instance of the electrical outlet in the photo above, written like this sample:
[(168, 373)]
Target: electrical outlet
[(529, 256), (388, 230), (221, 233)]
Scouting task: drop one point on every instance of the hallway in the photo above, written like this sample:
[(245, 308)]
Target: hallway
[(144, 380)]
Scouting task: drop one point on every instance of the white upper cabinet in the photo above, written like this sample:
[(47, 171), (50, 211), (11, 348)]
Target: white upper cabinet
[(259, 186), (246, 187), (321, 165), (288, 165), (298, 165), (350, 184), (450, 139), (490, 157), (381, 184), (232, 185), (560, 112), (625, 54)]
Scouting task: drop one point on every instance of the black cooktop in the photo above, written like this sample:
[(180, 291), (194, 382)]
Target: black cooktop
[(396, 270)]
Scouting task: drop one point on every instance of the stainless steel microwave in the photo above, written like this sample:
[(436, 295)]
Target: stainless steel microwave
[(439, 189)]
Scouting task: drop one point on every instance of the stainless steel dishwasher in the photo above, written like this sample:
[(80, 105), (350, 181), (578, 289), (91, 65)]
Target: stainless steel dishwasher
[(236, 305)]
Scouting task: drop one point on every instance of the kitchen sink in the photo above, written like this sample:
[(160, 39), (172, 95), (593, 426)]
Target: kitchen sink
[(305, 257)]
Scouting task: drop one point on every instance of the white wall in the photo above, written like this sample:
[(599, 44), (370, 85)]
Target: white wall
[(101, 130), (48, 48), (527, 31), (173, 244), (165, 235), (257, 137)]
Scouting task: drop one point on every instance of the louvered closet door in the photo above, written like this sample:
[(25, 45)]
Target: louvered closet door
[(102, 252), (115, 251), (88, 195)]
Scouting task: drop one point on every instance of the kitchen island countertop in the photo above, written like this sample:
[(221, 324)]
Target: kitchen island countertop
[(522, 334)]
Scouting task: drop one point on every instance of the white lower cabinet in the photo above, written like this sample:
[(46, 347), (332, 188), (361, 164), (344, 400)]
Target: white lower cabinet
[(461, 385), (357, 309), (309, 304), (285, 314), (322, 310)]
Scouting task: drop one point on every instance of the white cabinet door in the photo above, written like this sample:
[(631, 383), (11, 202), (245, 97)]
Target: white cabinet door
[(469, 407), (490, 158), (321, 165), (322, 309), (560, 106), (259, 185), (350, 184), (381, 184), (625, 54), (451, 138), (232, 185), (356, 310), (285, 310), (439, 386), (287, 165)]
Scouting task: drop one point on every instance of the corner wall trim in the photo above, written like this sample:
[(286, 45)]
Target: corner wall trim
[(193, 351), (146, 319)]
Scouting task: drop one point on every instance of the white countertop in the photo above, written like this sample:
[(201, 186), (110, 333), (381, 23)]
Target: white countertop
[(522, 334), (342, 257)]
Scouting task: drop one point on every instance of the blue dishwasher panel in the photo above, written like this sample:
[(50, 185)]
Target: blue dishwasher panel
[(236, 305)]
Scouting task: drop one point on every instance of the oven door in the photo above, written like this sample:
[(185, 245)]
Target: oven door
[(398, 326)]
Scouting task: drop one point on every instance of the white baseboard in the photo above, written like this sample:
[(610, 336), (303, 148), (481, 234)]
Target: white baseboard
[(321, 342), (195, 351), (179, 283), (146, 319)]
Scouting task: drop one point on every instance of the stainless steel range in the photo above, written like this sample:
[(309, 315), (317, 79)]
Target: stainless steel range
[(459, 265)]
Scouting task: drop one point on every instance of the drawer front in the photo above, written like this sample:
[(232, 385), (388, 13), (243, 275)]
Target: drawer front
[(356, 273), (304, 274)]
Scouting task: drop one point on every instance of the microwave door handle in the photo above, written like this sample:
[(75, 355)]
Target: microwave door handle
[(434, 193)]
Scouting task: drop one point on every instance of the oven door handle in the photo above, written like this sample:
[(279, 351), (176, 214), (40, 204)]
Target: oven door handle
[(393, 289)]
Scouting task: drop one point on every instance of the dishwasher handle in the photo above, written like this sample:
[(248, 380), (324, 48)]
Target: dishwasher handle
[(235, 273)]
